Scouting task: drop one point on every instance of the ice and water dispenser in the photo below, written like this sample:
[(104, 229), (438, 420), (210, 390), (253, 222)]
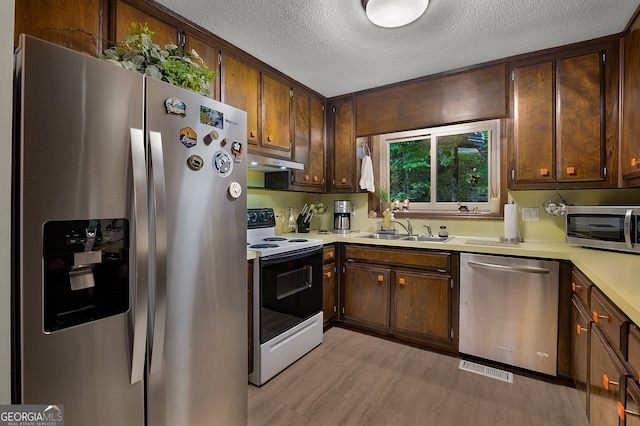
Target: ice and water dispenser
[(86, 271)]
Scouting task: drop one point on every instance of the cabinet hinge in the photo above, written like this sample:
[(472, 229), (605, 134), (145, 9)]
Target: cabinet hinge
[(513, 75), (219, 58), (182, 40), (335, 309), (513, 174), (335, 269), (344, 270), (604, 57), (343, 310), (605, 172), (333, 110), (451, 333), (291, 93), (451, 282)]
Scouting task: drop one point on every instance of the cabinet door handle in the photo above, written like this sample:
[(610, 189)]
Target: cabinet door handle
[(574, 286), (380, 278), (571, 170), (401, 281), (622, 412), (252, 134), (606, 382), (597, 317), (580, 329), (328, 274), (315, 178), (633, 162), (331, 255), (343, 180), (544, 172), (306, 177), (270, 138)]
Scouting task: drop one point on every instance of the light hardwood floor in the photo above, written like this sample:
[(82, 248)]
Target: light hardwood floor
[(356, 379)]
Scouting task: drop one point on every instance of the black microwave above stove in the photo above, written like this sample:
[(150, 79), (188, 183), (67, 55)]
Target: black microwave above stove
[(604, 227)]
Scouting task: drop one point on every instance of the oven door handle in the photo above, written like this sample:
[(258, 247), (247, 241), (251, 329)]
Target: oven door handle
[(290, 255)]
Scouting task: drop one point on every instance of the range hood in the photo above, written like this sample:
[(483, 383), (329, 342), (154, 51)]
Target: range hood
[(259, 163)]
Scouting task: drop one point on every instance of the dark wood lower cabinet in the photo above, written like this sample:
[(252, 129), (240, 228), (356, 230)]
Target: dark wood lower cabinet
[(366, 296), (410, 295), (607, 382), (421, 305), (581, 326)]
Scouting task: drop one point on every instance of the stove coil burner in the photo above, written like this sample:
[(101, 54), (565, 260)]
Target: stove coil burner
[(298, 240), (263, 246), (274, 239)]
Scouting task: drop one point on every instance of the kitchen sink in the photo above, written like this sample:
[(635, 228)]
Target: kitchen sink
[(381, 236), (400, 237), (426, 238)]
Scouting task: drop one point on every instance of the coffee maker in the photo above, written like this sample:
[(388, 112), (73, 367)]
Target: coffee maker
[(342, 216)]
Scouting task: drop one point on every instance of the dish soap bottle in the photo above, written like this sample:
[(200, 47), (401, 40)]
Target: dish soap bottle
[(443, 232)]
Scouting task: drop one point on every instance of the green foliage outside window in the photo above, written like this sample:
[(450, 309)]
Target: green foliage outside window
[(462, 168)]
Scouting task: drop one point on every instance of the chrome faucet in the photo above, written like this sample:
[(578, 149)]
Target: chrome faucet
[(407, 228), (428, 230)]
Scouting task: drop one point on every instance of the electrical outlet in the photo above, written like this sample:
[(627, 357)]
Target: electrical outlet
[(530, 214)]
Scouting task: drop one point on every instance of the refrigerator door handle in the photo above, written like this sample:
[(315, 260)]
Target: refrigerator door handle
[(158, 195), (139, 278)]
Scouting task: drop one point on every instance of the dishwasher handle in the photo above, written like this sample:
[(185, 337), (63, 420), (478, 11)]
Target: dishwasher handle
[(506, 268)]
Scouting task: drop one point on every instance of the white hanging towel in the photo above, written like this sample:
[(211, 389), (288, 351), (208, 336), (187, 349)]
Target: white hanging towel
[(366, 174)]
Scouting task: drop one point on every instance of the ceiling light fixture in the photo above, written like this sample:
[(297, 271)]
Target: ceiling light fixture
[(394, 13)]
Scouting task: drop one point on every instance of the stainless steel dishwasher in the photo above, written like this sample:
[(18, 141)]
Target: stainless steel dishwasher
[(509, 310)]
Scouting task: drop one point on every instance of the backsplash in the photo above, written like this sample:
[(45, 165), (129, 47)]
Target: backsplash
[(547, 228)]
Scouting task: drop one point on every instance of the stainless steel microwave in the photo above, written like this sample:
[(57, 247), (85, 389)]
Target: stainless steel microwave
[(604, 227)]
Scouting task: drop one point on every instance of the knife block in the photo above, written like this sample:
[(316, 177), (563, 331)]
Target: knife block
[(303, 227)]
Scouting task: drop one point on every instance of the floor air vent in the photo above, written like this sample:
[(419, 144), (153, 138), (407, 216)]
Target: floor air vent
[(483, 370)]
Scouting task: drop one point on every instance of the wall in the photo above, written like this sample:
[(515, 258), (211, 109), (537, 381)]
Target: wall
[(547, 228), (7, 8)]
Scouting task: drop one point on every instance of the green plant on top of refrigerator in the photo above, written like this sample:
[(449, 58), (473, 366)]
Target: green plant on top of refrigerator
[(139, 53)]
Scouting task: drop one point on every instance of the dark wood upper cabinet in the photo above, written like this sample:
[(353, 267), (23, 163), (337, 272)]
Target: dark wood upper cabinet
[(276, 117), (565, 120), (56, 22), (473, 95), (630, 155), (209, 53), (308, 141), (341, 146), (164, 31), (241, 89)]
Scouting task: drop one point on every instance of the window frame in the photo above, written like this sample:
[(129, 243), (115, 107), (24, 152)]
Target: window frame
[(494, 155)]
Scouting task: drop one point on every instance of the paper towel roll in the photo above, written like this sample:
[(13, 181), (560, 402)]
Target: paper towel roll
[(511, 222)]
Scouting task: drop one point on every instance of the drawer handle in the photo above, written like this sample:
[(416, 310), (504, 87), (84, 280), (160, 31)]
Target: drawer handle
[(315, 178), (623, 411), (574, 286), (606, 382), (331, 254), (597, 317), (580, 329), (380, 278), (401, 281), (328, 274), (306, 177)]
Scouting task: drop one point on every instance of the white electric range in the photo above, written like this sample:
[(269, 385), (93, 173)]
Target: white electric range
[(287, 295)]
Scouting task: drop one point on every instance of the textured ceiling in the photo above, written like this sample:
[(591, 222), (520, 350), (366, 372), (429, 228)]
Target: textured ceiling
[(331, 47)]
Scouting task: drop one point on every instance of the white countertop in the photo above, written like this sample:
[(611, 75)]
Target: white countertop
[(616, 274)]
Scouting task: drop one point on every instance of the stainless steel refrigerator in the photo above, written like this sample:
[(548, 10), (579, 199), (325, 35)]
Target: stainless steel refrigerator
[(129, 278)]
